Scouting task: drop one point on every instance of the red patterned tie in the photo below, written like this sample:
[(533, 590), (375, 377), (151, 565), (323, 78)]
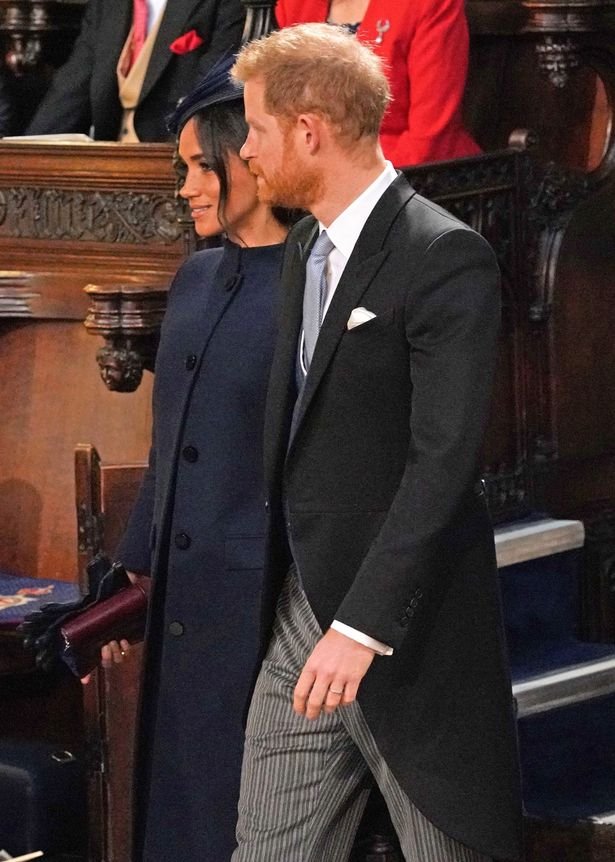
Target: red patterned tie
[(139, 27)]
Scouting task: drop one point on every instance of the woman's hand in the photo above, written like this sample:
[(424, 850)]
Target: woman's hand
[(110, 654), (116, 651)]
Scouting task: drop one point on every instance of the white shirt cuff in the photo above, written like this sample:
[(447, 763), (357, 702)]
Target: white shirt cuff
[(377, 646)]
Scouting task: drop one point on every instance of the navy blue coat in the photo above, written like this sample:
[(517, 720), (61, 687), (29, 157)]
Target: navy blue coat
[(198, 527)]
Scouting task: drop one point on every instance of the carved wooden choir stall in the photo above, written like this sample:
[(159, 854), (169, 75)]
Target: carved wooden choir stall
[(94, 233), (70, 215)]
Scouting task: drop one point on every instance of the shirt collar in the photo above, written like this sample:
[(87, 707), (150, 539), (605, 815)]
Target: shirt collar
[(154, 9), (344, 231)]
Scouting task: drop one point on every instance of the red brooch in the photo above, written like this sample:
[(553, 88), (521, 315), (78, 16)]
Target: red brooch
[(186, 43)]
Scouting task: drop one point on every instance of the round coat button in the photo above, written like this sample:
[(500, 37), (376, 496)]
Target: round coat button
[(182, 541), (176, 629), (190, 362), (191, 454)]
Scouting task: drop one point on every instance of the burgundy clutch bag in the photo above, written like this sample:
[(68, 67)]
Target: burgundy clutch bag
[(121, 616)]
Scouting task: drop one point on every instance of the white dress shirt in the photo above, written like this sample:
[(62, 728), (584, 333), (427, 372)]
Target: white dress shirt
[(344, 233), (345, 230), (154, 9)]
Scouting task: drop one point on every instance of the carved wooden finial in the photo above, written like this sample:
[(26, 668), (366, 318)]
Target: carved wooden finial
[(260, 19), (29, 27), (128, 316)]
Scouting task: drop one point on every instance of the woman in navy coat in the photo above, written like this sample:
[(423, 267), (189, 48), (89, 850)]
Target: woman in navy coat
[(197, 527)]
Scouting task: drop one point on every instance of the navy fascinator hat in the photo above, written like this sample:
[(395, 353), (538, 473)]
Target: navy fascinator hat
[(215, 88)]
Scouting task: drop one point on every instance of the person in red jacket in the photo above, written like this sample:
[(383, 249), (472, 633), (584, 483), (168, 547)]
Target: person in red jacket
[(424, 44)]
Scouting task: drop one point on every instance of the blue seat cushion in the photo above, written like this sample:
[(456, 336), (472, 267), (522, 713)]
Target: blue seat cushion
[(541, 600), (568, 761), (20, 596)]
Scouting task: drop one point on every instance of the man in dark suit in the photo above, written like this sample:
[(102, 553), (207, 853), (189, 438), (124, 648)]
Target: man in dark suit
[(85, 93), (387, 662)]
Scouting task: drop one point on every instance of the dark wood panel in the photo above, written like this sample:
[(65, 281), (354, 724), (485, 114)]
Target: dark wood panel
[(105, 495)]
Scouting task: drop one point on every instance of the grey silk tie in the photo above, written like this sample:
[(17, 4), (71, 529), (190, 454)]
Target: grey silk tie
[(315, 294)]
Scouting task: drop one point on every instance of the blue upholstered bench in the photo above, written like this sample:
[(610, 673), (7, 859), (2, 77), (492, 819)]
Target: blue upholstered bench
[(20, 596), (42, 787)]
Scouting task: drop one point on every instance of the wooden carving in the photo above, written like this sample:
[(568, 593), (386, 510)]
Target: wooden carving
[(552, 69), (129, 318), (259, 18), (489, 193), (33, 27), (88, 216), (557, 58), (16, 294)]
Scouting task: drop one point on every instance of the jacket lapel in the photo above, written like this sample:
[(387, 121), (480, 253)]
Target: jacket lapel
[(113, 34), (282, 390), (368, 256), (174, 18)]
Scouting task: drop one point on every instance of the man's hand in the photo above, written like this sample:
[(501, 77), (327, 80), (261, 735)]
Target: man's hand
[(331, 675)]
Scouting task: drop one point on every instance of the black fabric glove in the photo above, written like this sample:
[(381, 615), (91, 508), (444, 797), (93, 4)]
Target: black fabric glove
[(41, 629)]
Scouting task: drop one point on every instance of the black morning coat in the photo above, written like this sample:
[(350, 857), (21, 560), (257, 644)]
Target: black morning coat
[(388, 530), (84, 91)]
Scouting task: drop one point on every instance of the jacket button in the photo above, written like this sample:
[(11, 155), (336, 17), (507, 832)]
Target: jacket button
[(409, 612), (190, 362), (414, 602), (403, 622), (266, 505), (191, 454), (182, 541), (176, 629)]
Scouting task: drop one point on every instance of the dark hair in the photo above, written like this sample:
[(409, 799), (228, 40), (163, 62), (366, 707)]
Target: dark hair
[(221, 129)]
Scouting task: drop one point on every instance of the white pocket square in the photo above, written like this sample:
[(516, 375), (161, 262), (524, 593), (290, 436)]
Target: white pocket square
[(358, 316)]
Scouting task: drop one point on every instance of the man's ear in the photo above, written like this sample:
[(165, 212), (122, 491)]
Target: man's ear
[(310, 132)]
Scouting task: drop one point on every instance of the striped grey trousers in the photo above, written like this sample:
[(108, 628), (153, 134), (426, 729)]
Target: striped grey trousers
[(304, 784)]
